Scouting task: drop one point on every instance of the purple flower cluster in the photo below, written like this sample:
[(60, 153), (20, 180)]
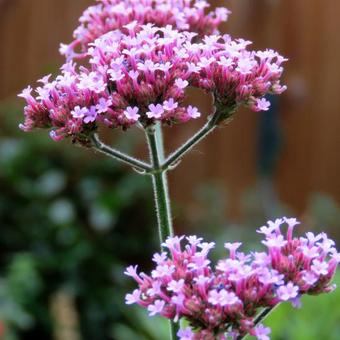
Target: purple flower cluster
[(223, 301), (139, 74), (109, 15)]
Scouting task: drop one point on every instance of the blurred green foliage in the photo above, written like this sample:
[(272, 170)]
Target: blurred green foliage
[(70, 221)]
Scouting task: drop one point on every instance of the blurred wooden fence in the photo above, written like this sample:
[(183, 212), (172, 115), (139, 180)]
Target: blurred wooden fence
[(306, 31)]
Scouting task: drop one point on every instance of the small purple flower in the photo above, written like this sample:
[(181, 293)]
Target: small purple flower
[(163, 270), (202, 280), (312, 239), (185, 334), (131, 113), (159, 258), (232, 247), (181, 84), (275, 241), (156, 289), (296, 302), (133, 74), (267, 231), (194, 240), (193, 112), (173, 243), (205, 62), (327, 244), (26, 93), (292, 222), (193, 68), (206, 247), (223, 298), (228, 265), (310, 252), (176, 286), (131, 271), (287, 292), (79, 112), (103, 105), (132, 298), (147, 66), (262, 332), (309, 278), (45, 80), (178, 300), (336, 256), (262, 104), (156, 111), (116, 75), (214, 297), (261, 259), (156, 308), (92, 81), (165, 67), (320, 267), (267, 276), (226, 62), (90, 115), (170, 104), (228, 298), (277, 223), (245, 66)]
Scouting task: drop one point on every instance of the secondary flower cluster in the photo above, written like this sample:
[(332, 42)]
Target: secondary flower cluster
[(110, 15), (139, 74), (223, 301)]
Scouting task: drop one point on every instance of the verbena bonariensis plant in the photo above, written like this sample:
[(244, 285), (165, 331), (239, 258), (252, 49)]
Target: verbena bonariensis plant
[(138, 58)]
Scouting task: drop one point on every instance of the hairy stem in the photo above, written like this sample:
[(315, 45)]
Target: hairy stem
[(210, 126), (137, 164), (161, 193), (160, 183)]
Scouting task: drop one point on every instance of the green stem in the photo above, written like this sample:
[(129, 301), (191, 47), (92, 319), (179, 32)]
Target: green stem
[(98, 145), (259, 318), (210, 126), (160, 183), (161, 193)]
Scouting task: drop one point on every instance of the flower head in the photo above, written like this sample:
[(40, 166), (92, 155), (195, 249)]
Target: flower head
[(111, 15), (149, 68), (224, 298)]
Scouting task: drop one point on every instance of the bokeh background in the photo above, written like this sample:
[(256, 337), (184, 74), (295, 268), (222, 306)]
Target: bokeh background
[(71, 220)]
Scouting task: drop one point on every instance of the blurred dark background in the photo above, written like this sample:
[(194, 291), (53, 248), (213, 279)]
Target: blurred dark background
[(71, 220)]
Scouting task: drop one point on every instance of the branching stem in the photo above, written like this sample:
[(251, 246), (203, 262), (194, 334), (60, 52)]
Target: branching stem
[(210, 126), (137, 164)]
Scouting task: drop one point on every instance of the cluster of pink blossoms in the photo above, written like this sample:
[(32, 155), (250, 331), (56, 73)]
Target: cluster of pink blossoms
[(222, 302), (139, 74), (110, 15)]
